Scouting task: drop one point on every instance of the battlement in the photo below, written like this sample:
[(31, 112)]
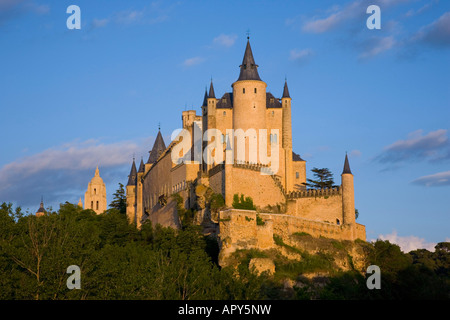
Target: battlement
[(315, 193)]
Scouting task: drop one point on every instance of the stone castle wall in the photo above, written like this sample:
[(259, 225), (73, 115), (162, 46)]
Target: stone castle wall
[(238, 229)]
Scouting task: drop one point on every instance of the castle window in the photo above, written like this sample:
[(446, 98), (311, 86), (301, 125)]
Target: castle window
[(255, 90), (95, 191), (297, 175), (338, 222), (92, 205), (224, 113), (96, 205), (243, 90)]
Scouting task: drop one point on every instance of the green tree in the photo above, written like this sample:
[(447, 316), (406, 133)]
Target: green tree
[(119, 200), (323, 179)]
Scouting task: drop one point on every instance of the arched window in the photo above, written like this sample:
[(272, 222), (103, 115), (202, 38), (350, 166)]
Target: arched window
[(338, 222), (92, 205), (97, 205), (243, 90), (255, 90), (224, 113), (95, 191)]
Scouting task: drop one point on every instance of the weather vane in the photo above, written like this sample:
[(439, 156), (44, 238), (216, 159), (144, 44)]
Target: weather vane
[(248, 33)]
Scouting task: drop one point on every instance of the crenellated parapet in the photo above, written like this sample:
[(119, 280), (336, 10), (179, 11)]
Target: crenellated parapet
[(315, 193)]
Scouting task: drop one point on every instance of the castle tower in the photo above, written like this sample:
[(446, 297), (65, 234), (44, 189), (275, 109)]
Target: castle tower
[(348, 198), (80, 204), (131, 194), (41, 211), (211, 120), (204, 126), (287, 138), (139, 198), (158, 148), (95, 196), (249, 104)]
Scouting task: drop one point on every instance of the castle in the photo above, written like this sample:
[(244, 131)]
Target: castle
[(228, 128)]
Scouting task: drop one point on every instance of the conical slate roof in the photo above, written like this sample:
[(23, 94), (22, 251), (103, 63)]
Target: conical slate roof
[(132, 176), (158, 147), (286, 91), (205, 99), (346, 166), (249, 69), (141, 166), (211, 91)]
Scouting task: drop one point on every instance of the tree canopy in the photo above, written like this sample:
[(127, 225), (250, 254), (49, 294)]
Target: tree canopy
[(323, 179)]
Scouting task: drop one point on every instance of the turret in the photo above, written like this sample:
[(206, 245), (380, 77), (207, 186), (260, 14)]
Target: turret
[(249, 100), (287, 138), (139, 191), (348, 197), (131, 194)]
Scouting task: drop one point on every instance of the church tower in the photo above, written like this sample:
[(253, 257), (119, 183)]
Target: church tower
[(249, 105), (41, 210), (95, 196)]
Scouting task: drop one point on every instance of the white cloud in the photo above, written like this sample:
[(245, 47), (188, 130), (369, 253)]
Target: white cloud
[(61, 173), (407, 243), (434, 180), (193, 61), (72, 156), (225, 40), (300, 55)]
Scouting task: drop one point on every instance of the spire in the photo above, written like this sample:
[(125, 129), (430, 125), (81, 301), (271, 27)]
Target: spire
[(41, 209), (248, 67), (80, 204), (97, 173), (158, 147), (285, 90), (141, 166), (132, 176), (205, 99), (346, 166), (211, 91)]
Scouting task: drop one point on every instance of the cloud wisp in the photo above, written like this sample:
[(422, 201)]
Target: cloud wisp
[(434, 180), (11, 9), (151, 14), (193, 61), (300, 55), (225, 40), (434, 146), (436, 34)]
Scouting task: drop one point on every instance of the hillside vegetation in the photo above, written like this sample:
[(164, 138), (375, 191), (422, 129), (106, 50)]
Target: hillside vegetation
[(117, 261)]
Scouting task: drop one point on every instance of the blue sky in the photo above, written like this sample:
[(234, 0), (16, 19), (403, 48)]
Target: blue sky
[(72, 99)]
